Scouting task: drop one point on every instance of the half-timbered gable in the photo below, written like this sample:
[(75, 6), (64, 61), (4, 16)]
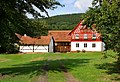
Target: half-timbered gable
[(83, 38), (82, 33)]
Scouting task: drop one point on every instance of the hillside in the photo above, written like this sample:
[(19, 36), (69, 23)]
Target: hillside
[(60, 22), (63, 22)]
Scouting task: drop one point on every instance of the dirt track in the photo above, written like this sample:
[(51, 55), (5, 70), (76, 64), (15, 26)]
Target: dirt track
[(68, 76)]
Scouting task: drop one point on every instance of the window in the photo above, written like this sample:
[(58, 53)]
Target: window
[(85, 45), (76, 36), (93, 45), (77, 44), (94, 36), (85, 36)]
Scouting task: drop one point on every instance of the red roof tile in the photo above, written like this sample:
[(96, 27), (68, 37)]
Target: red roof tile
[(27, 40), (60, 35), (43, 40)]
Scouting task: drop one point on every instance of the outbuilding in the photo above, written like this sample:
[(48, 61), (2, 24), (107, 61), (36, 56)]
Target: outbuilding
[(39, 44)]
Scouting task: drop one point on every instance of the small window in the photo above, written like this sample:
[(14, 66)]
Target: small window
[(94, 36), (93, 45), (85, 45), (76, 36), (77, 44), (85, 36)]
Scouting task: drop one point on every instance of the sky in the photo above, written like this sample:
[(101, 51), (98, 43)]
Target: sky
[(71, 6)]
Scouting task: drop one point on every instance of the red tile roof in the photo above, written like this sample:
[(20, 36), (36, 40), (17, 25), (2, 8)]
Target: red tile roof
[(27, 40), (43, 40), (60, 35)]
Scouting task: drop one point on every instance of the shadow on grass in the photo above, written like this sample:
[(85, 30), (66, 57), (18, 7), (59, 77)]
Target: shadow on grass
[(36, 67), (111, 68)]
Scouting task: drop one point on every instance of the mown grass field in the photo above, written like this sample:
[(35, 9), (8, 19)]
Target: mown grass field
[(85, 67)]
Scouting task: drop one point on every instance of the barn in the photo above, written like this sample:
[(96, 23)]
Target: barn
[(40, 44), (62, 40)]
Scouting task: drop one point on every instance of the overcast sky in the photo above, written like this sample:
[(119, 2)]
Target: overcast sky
[(71, 6)]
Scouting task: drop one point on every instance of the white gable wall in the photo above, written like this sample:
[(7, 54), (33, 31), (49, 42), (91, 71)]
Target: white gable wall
[(51, 45), (99, 46)]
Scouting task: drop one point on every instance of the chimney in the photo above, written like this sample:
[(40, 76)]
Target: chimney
[(25, 35)]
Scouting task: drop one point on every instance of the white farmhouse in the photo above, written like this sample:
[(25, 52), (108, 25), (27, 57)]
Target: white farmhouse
[(80, 38)]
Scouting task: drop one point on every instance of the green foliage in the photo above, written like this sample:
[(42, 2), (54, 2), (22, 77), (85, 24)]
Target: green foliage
[(109, 53), (13, 19), (38, 27), (63, 22), (107, 18)]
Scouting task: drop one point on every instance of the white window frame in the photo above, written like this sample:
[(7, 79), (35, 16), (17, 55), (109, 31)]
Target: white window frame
[(85, 36), (77, 45), (85, 45), (94, 36), (94, 45), (76, 36)]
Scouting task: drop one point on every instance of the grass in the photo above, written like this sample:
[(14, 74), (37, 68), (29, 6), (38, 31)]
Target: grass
[(86, 67)]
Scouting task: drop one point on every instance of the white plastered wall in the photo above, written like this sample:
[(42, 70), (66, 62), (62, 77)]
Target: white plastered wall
[(99, 46), (40, 48), (36, 49), (51, 45)]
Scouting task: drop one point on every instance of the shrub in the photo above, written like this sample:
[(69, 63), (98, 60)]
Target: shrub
[(78, 51), (83, 51)]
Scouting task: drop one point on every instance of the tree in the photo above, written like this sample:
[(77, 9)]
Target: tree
[(13, 18), (107, 18), (39, 27)]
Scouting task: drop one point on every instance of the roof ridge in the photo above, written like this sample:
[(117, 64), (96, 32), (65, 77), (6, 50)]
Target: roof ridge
[(59, 30)]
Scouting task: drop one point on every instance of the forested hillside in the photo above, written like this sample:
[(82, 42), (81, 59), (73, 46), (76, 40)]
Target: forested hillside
[(60, 22), (64, 22)]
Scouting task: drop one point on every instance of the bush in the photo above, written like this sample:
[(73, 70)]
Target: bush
[(109, 53), (78, 51), (83, 51)]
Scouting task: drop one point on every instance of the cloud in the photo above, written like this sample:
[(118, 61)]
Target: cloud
[(83, 4)]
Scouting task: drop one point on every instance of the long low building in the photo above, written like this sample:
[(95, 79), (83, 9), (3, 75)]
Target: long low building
[(40, 44), (81, 38)]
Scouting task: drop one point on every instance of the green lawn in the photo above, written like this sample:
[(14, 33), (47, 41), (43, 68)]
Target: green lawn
[(86, 67)]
